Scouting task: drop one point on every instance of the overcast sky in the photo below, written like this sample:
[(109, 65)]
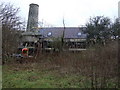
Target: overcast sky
[(75, 12)]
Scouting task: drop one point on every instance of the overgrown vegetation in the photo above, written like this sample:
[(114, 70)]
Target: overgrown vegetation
[(100, 30), (94, 68), (11, 29), (97, 67)]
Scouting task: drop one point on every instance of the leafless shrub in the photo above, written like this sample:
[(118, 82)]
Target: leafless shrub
[(99, 64), (11, 23)]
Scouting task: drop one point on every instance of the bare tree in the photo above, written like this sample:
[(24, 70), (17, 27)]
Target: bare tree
[(11, 23)]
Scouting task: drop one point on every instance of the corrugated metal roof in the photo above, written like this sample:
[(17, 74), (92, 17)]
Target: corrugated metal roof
[(69, 32)]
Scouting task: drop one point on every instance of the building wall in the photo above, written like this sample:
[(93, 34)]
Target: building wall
[(29, 39)]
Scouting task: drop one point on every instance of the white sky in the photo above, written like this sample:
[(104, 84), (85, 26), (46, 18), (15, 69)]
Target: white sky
[(75, 12)]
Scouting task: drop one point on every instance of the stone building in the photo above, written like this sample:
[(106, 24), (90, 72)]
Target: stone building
[(51, 38)]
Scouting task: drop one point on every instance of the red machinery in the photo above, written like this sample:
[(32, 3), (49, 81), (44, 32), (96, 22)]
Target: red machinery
[(25, 51)]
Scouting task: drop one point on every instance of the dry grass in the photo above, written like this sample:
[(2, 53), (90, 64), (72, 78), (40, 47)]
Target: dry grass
[(100, 64)]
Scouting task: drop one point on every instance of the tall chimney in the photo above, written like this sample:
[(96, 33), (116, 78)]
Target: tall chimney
[(119, 9), (32, 17)]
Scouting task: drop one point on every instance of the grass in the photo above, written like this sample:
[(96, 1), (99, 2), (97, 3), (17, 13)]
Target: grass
[(18, 76), (96, 68), (34, 78), (0, 76)]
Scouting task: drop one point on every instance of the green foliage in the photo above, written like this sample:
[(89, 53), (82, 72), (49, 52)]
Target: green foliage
[(57, 44), (98, 28), (116, 28)]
